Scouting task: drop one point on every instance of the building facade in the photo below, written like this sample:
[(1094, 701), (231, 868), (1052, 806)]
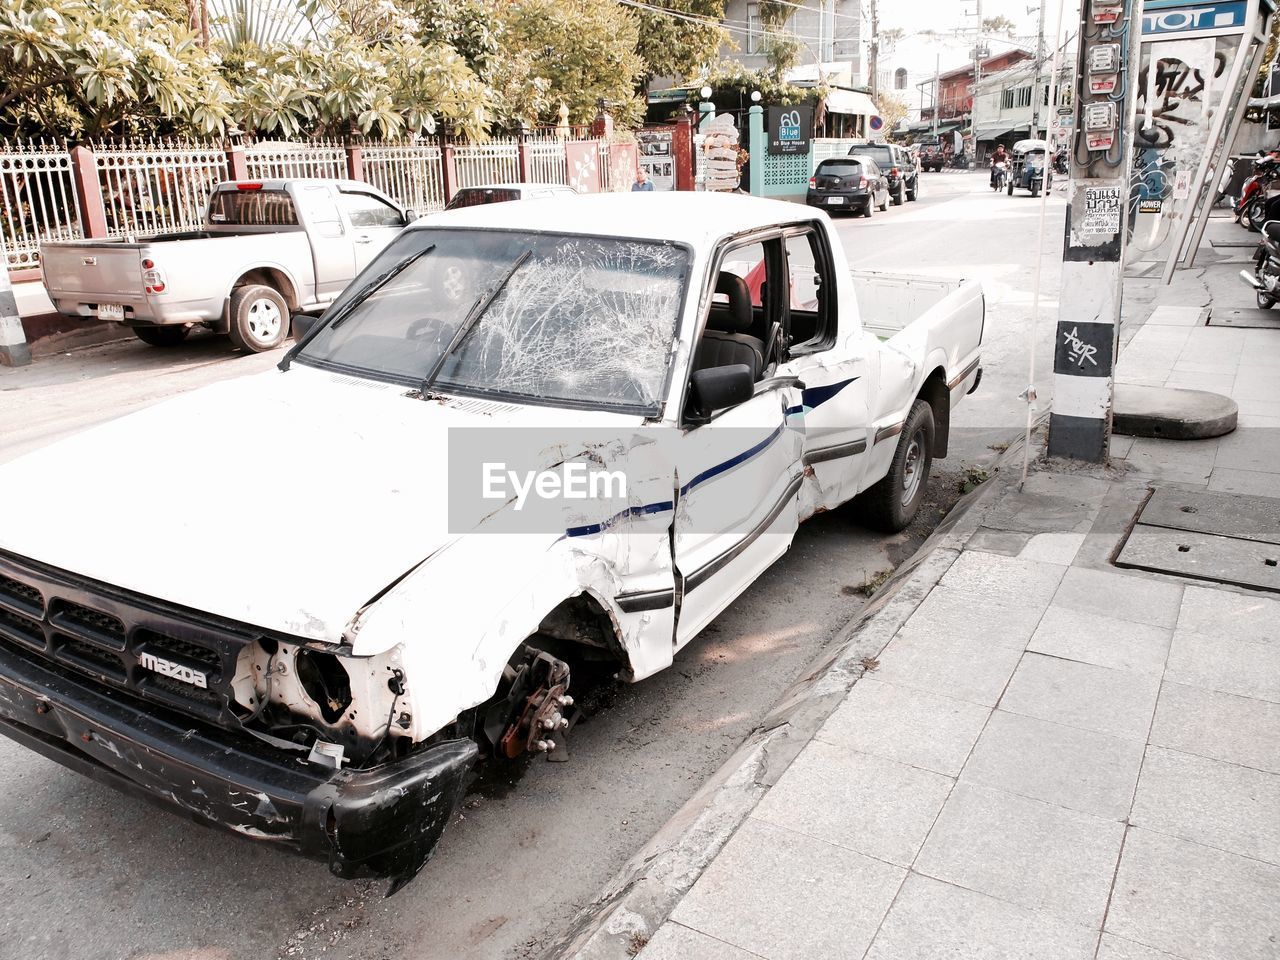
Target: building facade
[(830, 31), (1008, 106)]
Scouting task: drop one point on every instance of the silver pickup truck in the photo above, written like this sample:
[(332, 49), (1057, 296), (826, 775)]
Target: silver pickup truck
[(267, 249)]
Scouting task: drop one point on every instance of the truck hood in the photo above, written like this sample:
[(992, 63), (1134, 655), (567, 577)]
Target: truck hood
[(283, 500)]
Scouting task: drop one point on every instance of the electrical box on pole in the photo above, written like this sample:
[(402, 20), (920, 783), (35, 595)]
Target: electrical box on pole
[(1086, 341)]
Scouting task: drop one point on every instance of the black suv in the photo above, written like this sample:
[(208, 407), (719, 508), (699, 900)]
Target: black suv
[(898, 165)]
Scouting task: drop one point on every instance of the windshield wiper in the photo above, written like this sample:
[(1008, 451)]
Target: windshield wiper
[(362, 295), (483, 302)]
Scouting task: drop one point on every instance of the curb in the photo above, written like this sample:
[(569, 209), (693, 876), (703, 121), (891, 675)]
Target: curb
[(652, 883)]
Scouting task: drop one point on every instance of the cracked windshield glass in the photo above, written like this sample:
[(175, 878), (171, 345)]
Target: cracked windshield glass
[(580, 320)]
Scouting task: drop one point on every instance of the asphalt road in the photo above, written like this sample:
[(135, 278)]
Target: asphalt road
[(88, 873)]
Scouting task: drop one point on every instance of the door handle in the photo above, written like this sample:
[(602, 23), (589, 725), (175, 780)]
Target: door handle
[(364, 238)]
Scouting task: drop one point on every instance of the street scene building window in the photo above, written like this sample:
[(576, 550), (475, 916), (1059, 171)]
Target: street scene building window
[(900, 78), (755, 39)]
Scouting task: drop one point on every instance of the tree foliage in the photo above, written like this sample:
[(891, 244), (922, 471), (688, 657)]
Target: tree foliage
[(1001, 26), (893, 110), (675, 47)]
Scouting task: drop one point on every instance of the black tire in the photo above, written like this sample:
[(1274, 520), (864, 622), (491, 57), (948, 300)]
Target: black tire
[(168, 336), (885, 206), (899, 197), (1010, 188), (1035, 188), (259, 318), (1253, 216), (892, 503), (914, 192), (868, 209), (1265, 301)]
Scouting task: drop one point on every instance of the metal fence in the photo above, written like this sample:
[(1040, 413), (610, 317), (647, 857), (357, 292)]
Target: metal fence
[(547, 162), (497, 161), (409, 173), (824, 148), (156, 187), (37, 200), (322, 158)]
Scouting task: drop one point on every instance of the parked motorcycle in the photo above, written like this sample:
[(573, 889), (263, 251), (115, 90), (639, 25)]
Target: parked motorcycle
[(1250, 209), (1060, 161), (1265, 278), (999, 175)]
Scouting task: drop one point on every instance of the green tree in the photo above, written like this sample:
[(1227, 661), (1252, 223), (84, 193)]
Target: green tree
[(96, 67), (677, 47), (892, 111), (1000, 25), (584, 50)]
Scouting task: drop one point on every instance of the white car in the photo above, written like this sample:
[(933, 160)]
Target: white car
[(482, 194), (382, 574)]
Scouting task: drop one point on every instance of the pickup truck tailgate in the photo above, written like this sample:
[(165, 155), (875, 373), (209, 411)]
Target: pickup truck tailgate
[(888, 302), (92, 271)]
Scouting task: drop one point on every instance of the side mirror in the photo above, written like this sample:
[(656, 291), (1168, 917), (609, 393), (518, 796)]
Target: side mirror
[(715, 388), (410, 216), (302, 324)]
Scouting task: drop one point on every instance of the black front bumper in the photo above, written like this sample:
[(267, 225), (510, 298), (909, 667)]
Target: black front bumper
[(384, 821)]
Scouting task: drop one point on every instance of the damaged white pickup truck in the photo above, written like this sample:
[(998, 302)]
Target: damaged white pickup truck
[(371, 589)]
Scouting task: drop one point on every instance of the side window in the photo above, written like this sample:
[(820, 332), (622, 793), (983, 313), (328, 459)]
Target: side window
[(812, 313), (364, 210), (321, 212), (743, 322)]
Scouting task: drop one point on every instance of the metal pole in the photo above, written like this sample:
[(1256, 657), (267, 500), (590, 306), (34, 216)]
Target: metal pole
[(875, 50), (937, 90), (1036, 97)]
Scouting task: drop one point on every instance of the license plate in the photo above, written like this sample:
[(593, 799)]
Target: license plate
[(835, 199), (111, 311)]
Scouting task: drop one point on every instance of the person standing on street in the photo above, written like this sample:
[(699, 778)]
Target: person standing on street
[(643, 183)]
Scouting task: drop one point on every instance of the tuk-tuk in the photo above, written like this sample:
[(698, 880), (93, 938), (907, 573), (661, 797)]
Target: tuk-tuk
[(1030, 160)]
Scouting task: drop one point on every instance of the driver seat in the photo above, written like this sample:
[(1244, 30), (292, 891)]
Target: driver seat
[(726, 339)]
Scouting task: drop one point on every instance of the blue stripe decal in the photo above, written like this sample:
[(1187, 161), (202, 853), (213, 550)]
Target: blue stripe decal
[(813, 397), (648, 509), (732, 462)]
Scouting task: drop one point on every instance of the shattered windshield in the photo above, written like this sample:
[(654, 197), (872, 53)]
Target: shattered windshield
[(585, 321)]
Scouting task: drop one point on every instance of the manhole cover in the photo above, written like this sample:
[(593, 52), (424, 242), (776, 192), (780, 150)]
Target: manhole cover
[(1207, 536), (1263, 319)]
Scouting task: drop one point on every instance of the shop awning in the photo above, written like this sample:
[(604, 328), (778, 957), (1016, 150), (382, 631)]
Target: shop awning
[(850, 102), (926, 126), (995, 133)]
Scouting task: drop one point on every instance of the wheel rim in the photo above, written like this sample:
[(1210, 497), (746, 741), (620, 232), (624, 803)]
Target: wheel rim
[(264, 320), (913, 468)]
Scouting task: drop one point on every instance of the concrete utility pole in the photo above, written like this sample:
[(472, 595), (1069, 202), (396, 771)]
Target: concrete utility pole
[(875, 50), (13, 340), (1037, 99), (937, 91), (1086, 341)]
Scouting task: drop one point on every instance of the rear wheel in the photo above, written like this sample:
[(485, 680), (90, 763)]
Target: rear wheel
[(867, 210), (914, 191), (885, 206), (893, 502), (169, 336), (1253, 215), (1035, 188), (1265, 301), (259, 318), (1010, 188), (900, 195)]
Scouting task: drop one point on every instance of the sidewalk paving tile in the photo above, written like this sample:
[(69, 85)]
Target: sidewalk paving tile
[(931, 920), (1248, 616), (1113, 948), (936, 662), (1227, 661), (1251, 483), (1088, 772), (1194, 901), (921, 729), (1188, 461), (785, 896), (1105, 641), (1123, 596), (1219, 804), (674, 942), (1251, 449), (869, 804), (972, 615), (1115, 702), (1221, 726), (1006, 580), (1059, 548), (1035, 854)]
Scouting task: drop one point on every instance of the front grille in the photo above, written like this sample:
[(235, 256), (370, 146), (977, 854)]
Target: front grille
[(21, 595), (103, 633)]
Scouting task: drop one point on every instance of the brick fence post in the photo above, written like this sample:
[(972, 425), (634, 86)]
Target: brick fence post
[(84, 174), (355, 162), (682, 154), (448, 169), (524, 156), (237, 163)]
